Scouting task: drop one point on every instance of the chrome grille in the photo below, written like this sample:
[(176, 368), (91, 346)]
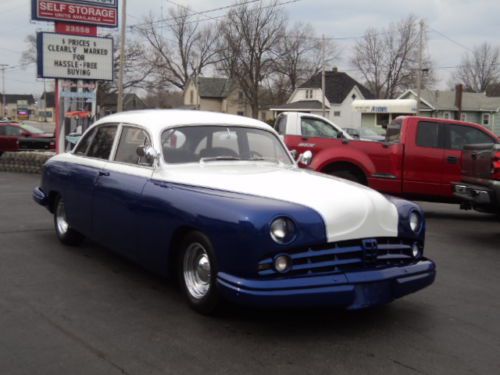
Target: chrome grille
[(344, 256)]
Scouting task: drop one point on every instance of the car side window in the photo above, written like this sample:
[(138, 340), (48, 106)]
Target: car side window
[(130, 139), (312, 127), (84, 144), (12, 131), (102, 143), (3, 130), (428, 134), (280, 126), (458, 136)]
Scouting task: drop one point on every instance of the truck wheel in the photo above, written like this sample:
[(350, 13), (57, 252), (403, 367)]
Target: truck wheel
[(347, 175), (64, 232), (198, 272)]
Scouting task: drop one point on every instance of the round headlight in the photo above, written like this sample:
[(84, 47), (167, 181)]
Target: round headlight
[(282, 263), (415, 221), (282, 230)]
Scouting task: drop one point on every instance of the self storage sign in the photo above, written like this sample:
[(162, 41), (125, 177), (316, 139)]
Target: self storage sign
[(99, 13), (74, 57)]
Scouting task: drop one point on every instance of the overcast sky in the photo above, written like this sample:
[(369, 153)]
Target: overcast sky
[(465, 22)]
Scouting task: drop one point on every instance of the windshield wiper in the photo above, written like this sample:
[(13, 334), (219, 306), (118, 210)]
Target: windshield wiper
[(262, 158), (220, 158)]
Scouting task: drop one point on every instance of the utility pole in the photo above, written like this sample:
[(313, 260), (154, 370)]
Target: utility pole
[(119, 103), (4, 101), (323, 74), (420, 68)]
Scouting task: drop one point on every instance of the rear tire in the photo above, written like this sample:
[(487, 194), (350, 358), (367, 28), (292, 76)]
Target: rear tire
[(64, 232), (198, 272), (347, 175)]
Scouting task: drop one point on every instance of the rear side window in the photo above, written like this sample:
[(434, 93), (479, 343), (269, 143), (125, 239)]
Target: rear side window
[(393, 134), (458, 136), (312, 127), (84, 144), (12, 131), (130, 139), (428, 134), (102, 143)]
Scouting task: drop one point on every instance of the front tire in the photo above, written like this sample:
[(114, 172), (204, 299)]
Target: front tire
[(64, 232), (198, 272)]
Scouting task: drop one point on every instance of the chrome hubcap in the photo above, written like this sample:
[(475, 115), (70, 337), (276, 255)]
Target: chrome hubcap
[(196, 270), (61, 222)]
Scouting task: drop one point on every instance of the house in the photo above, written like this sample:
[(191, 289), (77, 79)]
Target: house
[(17, 106), (218, 95), (476, 107), (46, 107), (340, 91), (107, 105)]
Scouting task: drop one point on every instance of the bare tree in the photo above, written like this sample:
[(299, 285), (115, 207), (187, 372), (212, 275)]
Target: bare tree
[(299, 55), (388, 59), (29, 55), (186, 50), (249, 37), (479, 68)]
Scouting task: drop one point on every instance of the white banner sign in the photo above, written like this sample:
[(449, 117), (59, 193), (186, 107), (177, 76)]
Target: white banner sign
[(75, 57)]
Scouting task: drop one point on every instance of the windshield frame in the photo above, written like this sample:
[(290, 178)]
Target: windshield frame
[(232, 127)]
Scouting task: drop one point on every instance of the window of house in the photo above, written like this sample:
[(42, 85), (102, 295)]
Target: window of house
[(486, 119), (458, 136), (336, 113), (191, 97), (102, 143), (463, 116), (446, 115), (353, 97), (240, 113), (130, 139), (240, 96), (309, 94), (428, 134)]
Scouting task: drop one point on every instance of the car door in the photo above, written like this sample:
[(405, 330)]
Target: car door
[(316, 135), (423, 160), (455, 138), (117, 193), (79, 177), (9, 138)]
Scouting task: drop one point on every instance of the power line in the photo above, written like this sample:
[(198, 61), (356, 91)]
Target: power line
[(451, 40)]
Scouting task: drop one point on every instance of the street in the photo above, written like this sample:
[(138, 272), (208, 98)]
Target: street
[(84, 310)]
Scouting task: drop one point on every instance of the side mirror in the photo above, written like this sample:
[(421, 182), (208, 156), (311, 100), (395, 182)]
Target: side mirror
[(305, 158), (147, 152)]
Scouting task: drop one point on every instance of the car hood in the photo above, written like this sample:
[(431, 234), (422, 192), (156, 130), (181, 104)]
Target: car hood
[(349, 210)]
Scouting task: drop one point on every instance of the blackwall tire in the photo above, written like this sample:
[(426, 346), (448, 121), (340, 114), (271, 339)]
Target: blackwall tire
[(64, 232), (198, 272)]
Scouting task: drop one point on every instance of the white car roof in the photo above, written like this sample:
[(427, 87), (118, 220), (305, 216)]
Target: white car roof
[(155, 119)]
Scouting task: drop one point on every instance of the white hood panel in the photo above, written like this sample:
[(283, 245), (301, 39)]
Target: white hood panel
[(349, 210)]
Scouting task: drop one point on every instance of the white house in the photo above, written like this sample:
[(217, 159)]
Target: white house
[(341, 90)]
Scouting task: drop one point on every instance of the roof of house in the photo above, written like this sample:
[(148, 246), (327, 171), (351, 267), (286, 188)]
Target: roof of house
[(13, 98), (214, 87), (445, 100), (337, 86), (302, 104)]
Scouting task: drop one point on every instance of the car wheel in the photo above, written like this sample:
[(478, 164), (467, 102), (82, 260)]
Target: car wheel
[(347, 175), (64, 232), (197, 273)]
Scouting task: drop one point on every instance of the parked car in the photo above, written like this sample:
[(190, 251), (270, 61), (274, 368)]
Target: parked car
[(18, 137), (418, 160), (364, 134), (218, 200), (479, 187)]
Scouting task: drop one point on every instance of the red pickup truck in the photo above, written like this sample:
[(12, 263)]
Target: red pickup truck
[(419, 158)]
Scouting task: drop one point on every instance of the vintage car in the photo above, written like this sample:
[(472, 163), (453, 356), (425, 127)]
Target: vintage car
[(218, 201)]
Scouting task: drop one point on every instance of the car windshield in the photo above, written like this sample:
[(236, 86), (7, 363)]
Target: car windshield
[(368, 132), (32, 129), (191, 144)]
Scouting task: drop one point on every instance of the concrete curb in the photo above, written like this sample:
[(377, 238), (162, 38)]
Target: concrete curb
[(24, 161)]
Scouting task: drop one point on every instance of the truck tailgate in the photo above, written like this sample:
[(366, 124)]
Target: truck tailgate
[(477, 161)]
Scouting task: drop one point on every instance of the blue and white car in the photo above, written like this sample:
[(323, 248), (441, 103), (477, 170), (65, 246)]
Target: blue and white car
[(218, 200)]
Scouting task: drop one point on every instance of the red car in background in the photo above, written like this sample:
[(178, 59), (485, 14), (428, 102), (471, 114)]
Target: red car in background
[(17, 137)]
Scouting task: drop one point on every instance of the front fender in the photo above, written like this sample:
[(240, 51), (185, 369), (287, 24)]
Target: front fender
[(358, 158)]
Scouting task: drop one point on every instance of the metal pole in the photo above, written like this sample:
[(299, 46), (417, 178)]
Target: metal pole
[(4, 101), (323, 74), (419, 72), (119, 104)]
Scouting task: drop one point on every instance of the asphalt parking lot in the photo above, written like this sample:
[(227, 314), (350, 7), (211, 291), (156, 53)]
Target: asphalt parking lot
[(85, 310)]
